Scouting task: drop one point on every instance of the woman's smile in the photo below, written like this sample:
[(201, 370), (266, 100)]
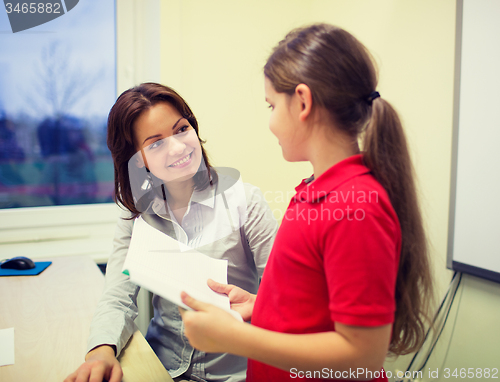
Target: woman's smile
[(183, 162), (171, 148)]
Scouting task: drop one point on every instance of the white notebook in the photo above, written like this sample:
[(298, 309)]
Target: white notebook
[(167, 267)]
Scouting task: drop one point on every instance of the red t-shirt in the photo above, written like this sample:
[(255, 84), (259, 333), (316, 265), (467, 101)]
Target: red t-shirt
[(334, 259)]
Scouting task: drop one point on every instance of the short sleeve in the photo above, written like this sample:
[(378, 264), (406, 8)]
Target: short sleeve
[(361, 262)]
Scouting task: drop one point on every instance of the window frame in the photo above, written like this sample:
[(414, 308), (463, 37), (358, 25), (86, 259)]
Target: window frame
[(41, 232)]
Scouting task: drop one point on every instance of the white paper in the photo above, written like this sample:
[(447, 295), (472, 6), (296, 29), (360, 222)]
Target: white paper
[(167, 267), (6, 346)]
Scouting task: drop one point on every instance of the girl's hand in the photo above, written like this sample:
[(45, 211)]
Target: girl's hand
[(208, 328), (100, 364), (241, 300)]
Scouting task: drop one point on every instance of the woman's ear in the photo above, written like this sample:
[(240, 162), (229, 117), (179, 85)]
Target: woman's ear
[(304, 96), (139, 159)]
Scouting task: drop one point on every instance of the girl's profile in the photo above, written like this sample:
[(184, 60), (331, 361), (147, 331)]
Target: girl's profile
[(348, 279)]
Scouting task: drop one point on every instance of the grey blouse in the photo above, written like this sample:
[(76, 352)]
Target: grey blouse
[(246, 246)]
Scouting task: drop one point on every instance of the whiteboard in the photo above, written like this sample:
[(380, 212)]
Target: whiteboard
[(474, 224)]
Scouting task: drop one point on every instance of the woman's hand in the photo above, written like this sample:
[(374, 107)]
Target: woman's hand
[(208, 328), (241, 300), (100, 364)]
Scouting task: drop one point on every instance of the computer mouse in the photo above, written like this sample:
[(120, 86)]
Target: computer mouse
[(19, 263)]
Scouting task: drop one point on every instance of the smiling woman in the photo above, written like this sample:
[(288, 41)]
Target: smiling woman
[(163, 178), (169, 162), (171, 149), (153, 138)]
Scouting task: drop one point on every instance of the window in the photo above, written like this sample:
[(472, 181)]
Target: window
[(57, 84), (80, 229)]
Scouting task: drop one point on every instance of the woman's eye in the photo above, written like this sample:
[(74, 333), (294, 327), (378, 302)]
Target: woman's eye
[(183, 129), (155, 144)]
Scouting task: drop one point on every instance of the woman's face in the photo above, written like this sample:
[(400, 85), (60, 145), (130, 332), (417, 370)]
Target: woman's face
[(168, 145)]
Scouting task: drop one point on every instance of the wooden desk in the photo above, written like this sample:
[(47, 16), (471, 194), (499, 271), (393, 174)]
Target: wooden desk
[(51, 315)]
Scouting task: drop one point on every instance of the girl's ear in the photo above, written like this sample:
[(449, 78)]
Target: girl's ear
[(304, 96)]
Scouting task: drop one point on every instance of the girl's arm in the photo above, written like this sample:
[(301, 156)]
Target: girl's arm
[(210, 329)]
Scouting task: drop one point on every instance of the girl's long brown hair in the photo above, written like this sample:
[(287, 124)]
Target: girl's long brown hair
[(341, 74), (127, 108)]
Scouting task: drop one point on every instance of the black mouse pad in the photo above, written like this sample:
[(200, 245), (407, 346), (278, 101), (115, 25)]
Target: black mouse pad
[(40, 266)]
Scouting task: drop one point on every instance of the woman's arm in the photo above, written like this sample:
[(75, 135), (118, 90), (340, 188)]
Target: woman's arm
[(210, 329), (241, 300), (113, 321), (112, 324), (100, 364), (260, 226)]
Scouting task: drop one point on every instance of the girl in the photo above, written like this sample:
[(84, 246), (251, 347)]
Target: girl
[(163, 176), (348, 278)]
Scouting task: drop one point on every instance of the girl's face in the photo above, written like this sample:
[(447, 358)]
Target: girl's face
[(169, 146), (283, 123)]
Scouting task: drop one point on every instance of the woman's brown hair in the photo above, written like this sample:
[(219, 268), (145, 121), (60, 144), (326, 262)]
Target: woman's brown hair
[(127, 108), (342, 78)]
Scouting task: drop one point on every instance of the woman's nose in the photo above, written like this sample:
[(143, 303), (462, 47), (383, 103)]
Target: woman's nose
[(176, 146)]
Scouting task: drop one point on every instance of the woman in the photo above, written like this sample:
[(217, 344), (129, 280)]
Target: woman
[(163, 176)]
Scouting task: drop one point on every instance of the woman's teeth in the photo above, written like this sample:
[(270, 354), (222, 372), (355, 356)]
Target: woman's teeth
[(184, 160)]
